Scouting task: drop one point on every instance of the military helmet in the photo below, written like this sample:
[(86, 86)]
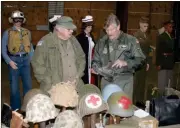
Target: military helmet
[(68, 96), (68, 119), (88, 88), (91, 103), (40, 108), (120, 104), (17, 14), (109, 89), (29, 95)]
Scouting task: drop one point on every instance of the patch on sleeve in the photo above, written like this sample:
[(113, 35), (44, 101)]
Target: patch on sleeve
[(40, 43)]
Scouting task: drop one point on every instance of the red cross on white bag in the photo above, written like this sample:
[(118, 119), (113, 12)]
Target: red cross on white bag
[(93, 101)]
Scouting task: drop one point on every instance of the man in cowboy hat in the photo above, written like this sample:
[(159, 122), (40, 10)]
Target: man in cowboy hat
[(17, 51), (58, 56)]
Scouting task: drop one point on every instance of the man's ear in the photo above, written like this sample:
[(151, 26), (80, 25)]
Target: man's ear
[(118, 27)]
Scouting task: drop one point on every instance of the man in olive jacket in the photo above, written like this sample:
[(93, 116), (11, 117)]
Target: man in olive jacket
[(116, 56), (165, 57), (58, 56)]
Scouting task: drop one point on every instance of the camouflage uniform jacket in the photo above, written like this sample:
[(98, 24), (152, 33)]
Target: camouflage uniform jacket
[(47, 61), (126, 48)]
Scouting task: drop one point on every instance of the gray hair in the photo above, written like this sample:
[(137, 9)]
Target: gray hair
[(111, 19)]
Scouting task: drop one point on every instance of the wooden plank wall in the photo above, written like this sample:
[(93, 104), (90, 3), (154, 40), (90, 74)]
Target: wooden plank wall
[(99, 11), (35, 12), (158, 12)]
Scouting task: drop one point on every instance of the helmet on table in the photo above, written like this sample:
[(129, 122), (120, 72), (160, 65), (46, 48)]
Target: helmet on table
[(40, 108), (120, 104), (109, 89)]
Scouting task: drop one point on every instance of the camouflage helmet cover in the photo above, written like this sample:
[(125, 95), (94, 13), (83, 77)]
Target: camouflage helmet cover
[(40, 108), (68, 119), (29, 95), (120, 104)]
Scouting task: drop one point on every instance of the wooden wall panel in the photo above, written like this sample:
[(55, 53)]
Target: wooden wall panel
[(138, 6), (99, 11), (71, 4), (36, 13)]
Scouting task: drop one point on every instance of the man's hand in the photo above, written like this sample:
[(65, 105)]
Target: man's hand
[(147, 67), (93, 72), (119, 63), (158, 67), (13, 65)]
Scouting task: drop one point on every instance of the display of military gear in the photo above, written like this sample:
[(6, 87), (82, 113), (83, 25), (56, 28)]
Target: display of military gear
[(91, 103), (19, 41), (29, 95), (120, 104), (68, 96), (40, 108), (88, 88), (109, 89), (126, 48), (68, 119)]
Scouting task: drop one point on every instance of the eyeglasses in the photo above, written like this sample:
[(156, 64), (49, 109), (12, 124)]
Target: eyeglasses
[(16, 20)]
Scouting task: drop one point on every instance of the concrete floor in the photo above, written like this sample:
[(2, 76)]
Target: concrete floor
[(151, 81)]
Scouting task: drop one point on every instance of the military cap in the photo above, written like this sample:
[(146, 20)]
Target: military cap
[(66, 22), (31, 93), (144, 20), (169, 22)]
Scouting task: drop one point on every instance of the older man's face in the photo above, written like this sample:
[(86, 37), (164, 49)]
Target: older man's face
[(112, 31), (65, 33)]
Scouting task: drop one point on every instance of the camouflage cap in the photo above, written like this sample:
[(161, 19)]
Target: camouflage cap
[(66, 22), (88, 88), (68, 119), (144, 20), (29, 95), (40, 108), (91, 103)]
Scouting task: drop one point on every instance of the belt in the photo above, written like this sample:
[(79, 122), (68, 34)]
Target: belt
[(167, 54), (19, 55)]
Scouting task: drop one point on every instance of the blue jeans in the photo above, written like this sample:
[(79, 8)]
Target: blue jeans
[(24, 70)]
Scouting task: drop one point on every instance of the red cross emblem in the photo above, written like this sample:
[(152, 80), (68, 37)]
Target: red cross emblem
[(125, 102), (93, 101)]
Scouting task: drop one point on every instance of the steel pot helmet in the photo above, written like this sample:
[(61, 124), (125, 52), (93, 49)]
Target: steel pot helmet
[(68, 96), (91, 103), (88, 88), (29, 95), (120, 104), (68, 119), (109, 89), (40, 108), (15, 15)]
